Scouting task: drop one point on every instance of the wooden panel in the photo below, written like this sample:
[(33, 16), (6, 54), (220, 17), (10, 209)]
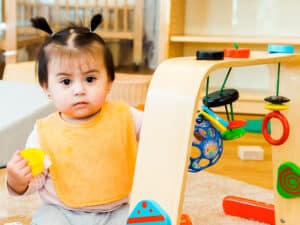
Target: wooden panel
[(177, 21), (287, 209), (138, 36), (164, 29), (10, 33)]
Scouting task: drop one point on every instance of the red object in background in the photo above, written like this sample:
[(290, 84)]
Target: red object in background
[(250, 209), (237, 53), (236, 124), (185, 220)]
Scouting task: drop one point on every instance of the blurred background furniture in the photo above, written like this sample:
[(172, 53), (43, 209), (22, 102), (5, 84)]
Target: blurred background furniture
[(126, 87), (22, 103), (2, 63), (123, 20)]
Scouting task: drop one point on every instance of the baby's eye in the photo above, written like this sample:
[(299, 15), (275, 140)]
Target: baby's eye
[(90, 79), (66, 81)]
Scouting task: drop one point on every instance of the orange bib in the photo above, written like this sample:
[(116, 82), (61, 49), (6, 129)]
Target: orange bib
[(92, 162)]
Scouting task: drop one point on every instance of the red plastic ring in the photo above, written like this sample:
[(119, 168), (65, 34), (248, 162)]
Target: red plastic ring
[(285, 125)]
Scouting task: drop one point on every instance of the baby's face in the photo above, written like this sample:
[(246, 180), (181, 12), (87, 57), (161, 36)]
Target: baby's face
[(78, 85)]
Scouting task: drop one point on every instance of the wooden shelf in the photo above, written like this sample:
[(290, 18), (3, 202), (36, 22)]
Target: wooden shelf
[(232, 39)]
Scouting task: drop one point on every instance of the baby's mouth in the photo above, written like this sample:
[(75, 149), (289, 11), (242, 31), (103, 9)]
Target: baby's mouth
[(80, 104)]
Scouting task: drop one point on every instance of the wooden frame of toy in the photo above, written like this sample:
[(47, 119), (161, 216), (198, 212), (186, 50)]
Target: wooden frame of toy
[(169, 127)]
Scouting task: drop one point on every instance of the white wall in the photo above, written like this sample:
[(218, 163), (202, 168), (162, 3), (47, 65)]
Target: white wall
[(259, 18), (250, 18)]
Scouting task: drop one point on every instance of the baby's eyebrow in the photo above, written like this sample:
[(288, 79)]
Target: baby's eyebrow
[(91, 71), (63, 74), (69, 74)]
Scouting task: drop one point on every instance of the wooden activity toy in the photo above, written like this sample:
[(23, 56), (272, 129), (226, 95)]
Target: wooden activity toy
[(207, 146), (232, 128), (288, 180), (185, 220), (250, 209), (275, 48), (237, 52), (276, 103), (210, 55), (148, 212), (167, 133)]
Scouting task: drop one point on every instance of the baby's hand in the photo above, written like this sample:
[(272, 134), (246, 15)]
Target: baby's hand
[(18, 173)]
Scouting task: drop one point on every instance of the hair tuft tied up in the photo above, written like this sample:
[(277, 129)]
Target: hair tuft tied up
[(96, 21), (41, 24)]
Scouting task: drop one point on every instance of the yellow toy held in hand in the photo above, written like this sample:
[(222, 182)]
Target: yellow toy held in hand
[(37, 160)]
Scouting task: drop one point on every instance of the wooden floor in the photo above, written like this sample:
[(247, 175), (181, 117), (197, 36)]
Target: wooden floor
[(253, 172)]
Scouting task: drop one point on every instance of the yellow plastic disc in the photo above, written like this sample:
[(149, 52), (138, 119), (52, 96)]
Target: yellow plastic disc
[(276, 107), (35, 158), (213, 121)]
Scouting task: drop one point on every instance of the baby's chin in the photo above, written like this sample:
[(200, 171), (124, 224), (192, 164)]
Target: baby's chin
[(78, 117)]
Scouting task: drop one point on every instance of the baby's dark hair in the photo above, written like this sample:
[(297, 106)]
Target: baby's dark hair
[(74, 37)]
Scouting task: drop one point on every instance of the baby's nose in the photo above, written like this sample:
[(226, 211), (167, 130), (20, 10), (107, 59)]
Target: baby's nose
[(79, 88)]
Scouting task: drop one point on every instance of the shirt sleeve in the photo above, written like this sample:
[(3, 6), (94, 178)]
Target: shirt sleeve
[(33, 139), (138, 120), (38, 181)]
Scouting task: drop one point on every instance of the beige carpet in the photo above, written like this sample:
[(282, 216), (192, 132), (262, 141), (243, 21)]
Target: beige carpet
[(204, 195), (203, 200)]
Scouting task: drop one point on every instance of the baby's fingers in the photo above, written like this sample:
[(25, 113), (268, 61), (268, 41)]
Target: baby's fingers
[(26, 170), (28, 177), (21, 164)]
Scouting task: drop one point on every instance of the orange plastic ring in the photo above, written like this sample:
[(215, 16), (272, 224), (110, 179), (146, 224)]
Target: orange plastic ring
[(285, 125)]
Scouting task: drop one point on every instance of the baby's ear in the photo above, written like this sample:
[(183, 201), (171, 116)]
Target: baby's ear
[(44, 86), (109, 86), (46, 90)]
